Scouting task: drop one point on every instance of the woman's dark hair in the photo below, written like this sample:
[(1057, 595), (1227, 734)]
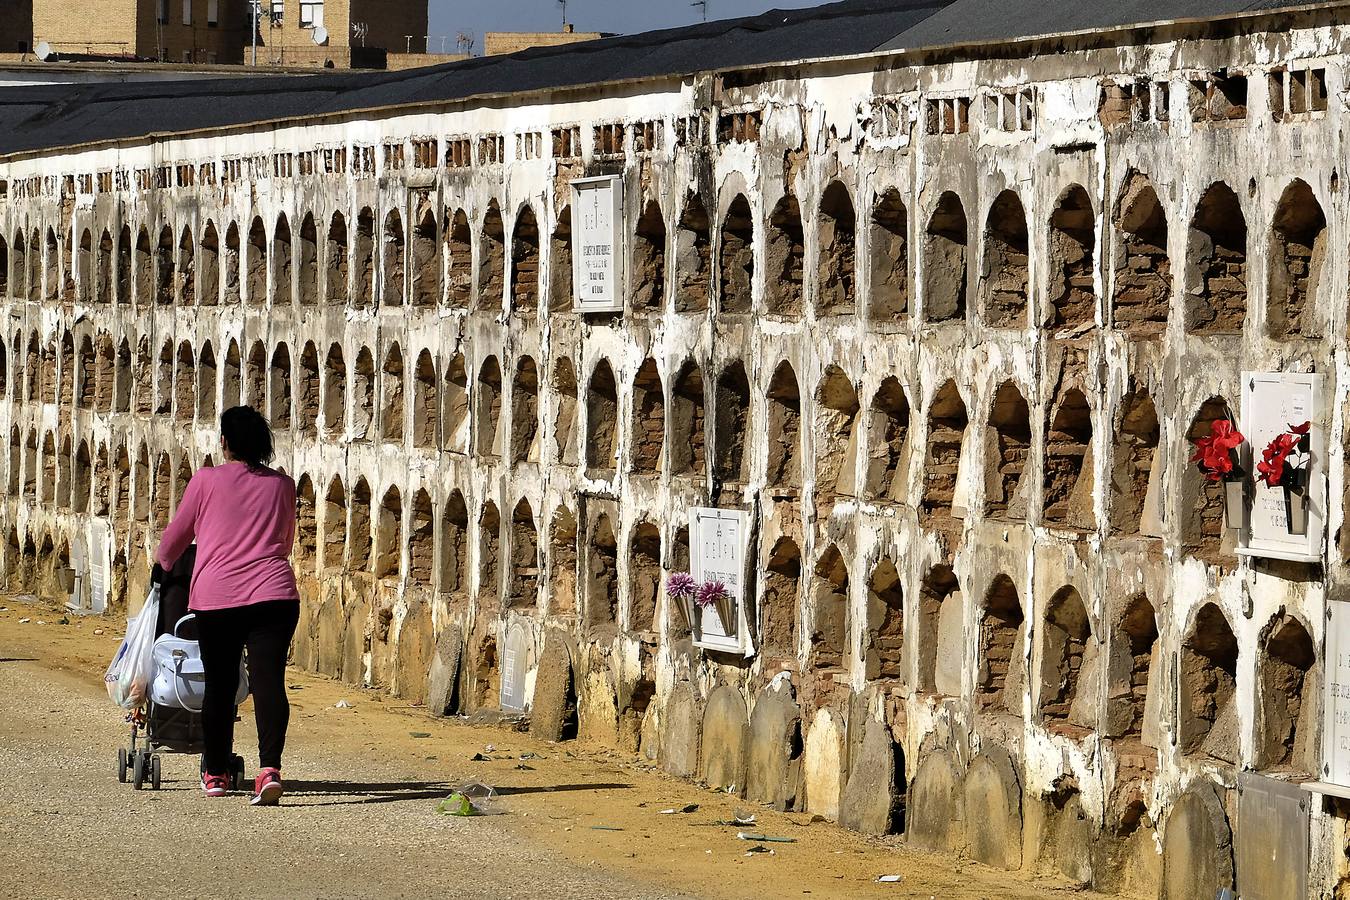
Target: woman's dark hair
[(247, 435)]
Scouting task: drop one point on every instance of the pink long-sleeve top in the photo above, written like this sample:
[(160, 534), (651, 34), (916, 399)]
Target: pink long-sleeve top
[(244, 523)]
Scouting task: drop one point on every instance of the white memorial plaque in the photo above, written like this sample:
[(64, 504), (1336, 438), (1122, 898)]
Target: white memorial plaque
[(515, 663), (98, 567), (1273, 403), (597, 244), (1336, 708), (718, 544)]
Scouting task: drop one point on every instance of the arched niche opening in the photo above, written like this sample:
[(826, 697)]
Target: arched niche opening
[(736, 260), (1136, 476), (1007, 449), (644, 577), (686, 422), (1073, 240), (780, 609), (334, 391), (560, 298), (394, 247), (489, 556), (786, 251), (836, 242), (887, 477), (491, 260), (1298, 248), (602, 574), (647, 442), (488, 408), (256, 263), (1068, 663), (947, 421), (1143, 283), (693, 250), (565, 411), (1207, 714), (602, 433), (426, 261), (306, 390), (562, 552), (459, 260), (1216, 264), (732, 424), (336, 258), (1068, 464), (884, 635), (389, 535), (392, 376), (1288, 701), (455, 405), (1000, 673), (889, 258), (525, 412), (829, 611), (1200, 502), (426, 402), (525, 263), (648, 280), (940, 641), (784, 470), (281, 262), (454, 549), (209, 279), (836, 433), (1004, 275), (279, 387), (524, 588), (307, 269), (944, 261)]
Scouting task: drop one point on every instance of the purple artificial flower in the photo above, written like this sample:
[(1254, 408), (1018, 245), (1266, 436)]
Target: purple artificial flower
[(710, 593), (681, 586)]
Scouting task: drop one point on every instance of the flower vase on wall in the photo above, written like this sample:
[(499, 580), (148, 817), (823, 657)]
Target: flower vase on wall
[(1295, 483), (1235, 502)]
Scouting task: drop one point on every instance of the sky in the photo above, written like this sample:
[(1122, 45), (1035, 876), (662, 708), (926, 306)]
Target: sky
[(449, 17)]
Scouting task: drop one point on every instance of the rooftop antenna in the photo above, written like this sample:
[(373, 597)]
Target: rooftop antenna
[(563, 4), (464, 43), (703, 4), (257, 5)]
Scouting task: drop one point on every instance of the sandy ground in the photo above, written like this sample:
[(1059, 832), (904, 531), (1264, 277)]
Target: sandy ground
[(360, 817)]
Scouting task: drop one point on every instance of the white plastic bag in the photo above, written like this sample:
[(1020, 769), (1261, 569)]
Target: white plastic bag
[(132, 668)]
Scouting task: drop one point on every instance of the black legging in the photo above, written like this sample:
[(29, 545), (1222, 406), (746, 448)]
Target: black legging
[(266, 629)]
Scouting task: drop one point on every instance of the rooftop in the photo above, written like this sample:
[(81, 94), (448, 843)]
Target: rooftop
[(62, 116)]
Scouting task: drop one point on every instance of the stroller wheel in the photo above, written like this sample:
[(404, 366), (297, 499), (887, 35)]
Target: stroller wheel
[(154, 772), (138, 771), (122, 764)]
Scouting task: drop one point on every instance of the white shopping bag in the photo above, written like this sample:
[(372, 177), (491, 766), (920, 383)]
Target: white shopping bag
[(129, 674)]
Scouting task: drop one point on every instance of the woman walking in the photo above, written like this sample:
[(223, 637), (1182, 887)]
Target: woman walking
[(242, 516)]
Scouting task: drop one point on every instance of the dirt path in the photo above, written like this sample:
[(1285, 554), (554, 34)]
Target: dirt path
[(361, 820)]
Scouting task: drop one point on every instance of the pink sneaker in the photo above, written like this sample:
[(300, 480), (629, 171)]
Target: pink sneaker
[(267, 789), (214, 785)]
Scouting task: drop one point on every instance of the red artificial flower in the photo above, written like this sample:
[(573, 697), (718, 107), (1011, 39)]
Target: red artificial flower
[(1215, 452), (1275, 457)]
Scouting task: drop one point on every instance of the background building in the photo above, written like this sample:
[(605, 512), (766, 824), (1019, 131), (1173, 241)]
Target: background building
[(496, 43), (290, 33)]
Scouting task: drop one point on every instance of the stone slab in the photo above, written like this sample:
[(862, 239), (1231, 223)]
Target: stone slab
[(1197, 847), (992, 798), (934, 817), (1272, 838), (554, 696), (773, 771), (873, 799), (725, 728), (822, 771), (443, 676), (681, 728)]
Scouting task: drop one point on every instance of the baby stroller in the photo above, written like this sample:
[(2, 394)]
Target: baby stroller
[(158, 727)]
